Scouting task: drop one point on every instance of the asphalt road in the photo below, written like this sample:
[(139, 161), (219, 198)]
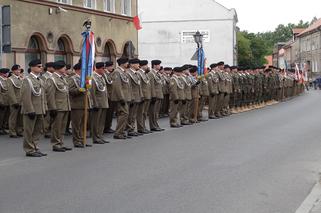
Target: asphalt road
[(263, 161)]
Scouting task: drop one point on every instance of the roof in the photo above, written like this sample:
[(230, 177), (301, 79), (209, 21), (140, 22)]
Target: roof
[(312, 27), (298, 30)]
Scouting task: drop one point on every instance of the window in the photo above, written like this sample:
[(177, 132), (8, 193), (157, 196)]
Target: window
[(109, 6), (90, 4), (65, 1), (33, 50), (60, 54), (126, 7)]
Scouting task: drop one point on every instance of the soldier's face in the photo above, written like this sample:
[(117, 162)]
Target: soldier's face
[(17, 72), (135, 66), (110, 69), (157, 67), (37, 69)]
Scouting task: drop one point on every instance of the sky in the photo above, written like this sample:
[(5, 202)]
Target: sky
[(261, 16)]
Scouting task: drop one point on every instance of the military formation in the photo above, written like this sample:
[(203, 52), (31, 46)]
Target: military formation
[(49, 100)]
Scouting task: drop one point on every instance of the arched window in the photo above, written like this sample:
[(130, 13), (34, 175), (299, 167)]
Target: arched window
[(60, 54), (109, 53), (129, 50), (33, 50)]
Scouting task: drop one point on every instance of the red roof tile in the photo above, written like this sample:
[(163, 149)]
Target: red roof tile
[(298, 30)]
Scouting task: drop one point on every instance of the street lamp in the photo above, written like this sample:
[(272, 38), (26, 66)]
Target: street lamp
[(198, 38)]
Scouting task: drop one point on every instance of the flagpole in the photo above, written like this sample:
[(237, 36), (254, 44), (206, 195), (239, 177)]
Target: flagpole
[(85, 118)]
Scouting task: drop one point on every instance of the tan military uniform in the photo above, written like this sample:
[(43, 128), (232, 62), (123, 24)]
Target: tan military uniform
[(111, 108), (204, 93), (47, 119), (144, 106), (176, 88), (157, 97), (213, 87), (77, 104), (229, 90), (136, 95), (58, 100), (193, 114), (15, 118), (165, 102), (4, 103), (32, 101), (222, 93), (99, 95), (121, 96)]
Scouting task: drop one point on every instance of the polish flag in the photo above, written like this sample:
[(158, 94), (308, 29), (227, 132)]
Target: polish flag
[(137, 22)]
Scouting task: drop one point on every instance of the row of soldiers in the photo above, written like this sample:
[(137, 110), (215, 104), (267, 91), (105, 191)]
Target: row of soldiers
[(43, 102)]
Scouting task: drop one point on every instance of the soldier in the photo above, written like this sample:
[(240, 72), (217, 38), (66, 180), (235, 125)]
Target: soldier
[(4, 102), (186, 106), (175, 89), (110, 111), (58, 106), (146, 92), (204, 96), (157, 96), (229, 89), (15, 118), (121, 96), (136, 96), (213, 88), (195, 95), (99, 97), (33, 109), (77, 103), (49, 70), (166, 72)]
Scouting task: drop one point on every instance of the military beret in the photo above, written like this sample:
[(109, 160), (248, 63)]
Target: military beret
[(109, 63), (59, 64), (100, 65), (49, 64), (34, 63), (185, 67), (134, 61), (4, 70), (212, 66), (156, 62), (193, 69), (143, 62), (177, 69), (15, 67), (226, 66), (233, 67), (220, 63), (122, 60), (168, 69), (77, 66)]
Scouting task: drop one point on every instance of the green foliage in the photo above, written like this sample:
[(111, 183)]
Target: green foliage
[(252, 48)]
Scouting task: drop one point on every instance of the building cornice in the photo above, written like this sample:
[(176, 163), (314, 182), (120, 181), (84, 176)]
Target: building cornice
[(79, 9)]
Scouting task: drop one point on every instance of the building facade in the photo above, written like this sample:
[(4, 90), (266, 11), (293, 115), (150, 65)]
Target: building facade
[(51, 29), (168, 28)]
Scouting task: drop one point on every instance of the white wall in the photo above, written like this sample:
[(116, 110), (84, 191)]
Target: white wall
[(160, 37)]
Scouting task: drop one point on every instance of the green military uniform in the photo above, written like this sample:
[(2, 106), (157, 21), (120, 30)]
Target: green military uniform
[(165, 102), (157, 97), (59, 107), (144, 106), (121, 96), (15, 118), (193, 114), (186, 106), (33, 108), (99, 96)]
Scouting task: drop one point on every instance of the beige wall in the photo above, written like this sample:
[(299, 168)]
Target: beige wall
[(34, 19)]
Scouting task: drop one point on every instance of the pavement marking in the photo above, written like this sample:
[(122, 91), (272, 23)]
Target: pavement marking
[(312, 200)]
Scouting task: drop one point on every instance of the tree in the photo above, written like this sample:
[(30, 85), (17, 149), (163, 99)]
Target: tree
[(244, 50)]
